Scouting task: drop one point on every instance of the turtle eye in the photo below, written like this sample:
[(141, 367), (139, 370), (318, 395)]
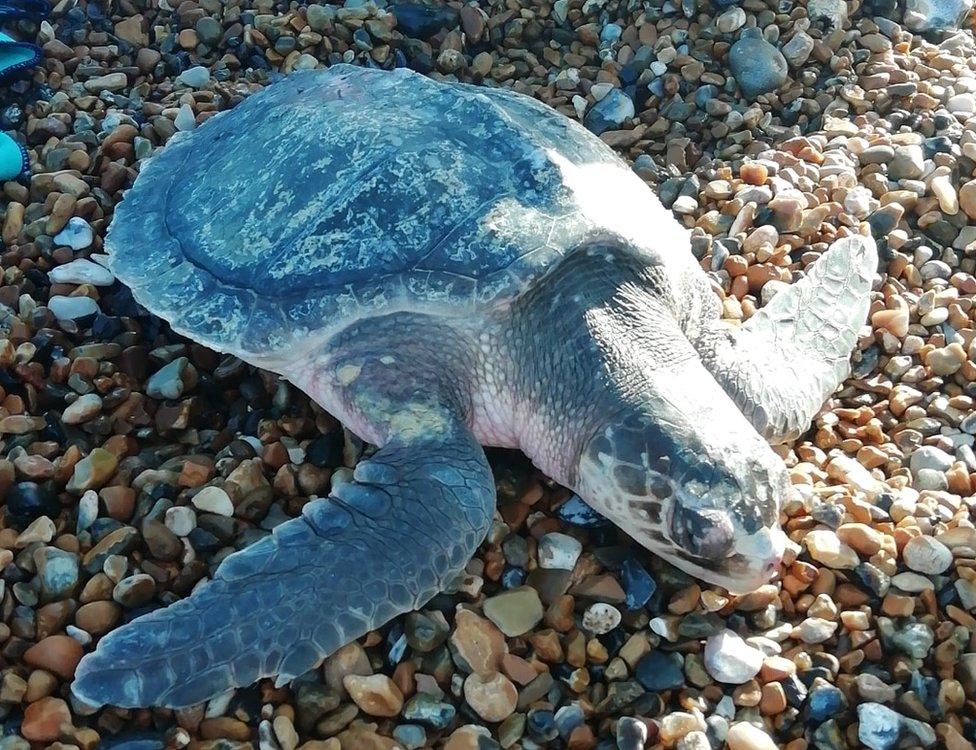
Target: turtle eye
[(707, 533)]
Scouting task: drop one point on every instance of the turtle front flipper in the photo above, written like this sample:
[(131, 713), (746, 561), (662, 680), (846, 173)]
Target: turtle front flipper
[(783, 363), (379, 546)]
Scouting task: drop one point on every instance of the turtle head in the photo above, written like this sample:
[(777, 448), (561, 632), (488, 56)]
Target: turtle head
[(710, 507)]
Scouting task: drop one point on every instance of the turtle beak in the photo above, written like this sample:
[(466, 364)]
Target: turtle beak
[(765, 549), (752, 562)]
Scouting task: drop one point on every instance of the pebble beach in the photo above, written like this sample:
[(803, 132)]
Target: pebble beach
[(132, 460)]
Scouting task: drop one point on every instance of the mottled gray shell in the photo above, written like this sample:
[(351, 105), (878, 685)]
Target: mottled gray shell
[(343, 193)]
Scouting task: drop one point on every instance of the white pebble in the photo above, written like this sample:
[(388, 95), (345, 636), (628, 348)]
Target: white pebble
[(696, 740), (558, 551), (745, 736), (826, 547), (848, 470), (87, 510), (78, 634), (76, 234), (730, 659), (81, 271), (71, 308), (731, 20), (911, 583), (579, 106), (213, 500), (600, 90), (82, 409), (930, 457), (816, 630), (601, 618), (858, 202), (946, 194), (181, 520), (962, 103), (195, 77), (927, 555), (967, 593), (185, 119)]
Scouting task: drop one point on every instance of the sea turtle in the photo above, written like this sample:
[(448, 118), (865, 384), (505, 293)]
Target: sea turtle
[(445, 266)]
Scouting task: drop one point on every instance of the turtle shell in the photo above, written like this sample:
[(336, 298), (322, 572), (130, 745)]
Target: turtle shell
[(337, 194)]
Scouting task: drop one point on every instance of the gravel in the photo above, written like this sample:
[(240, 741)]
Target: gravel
[(134, 460)]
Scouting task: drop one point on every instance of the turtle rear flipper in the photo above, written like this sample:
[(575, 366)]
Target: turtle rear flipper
[(783, 363), (379, 546)]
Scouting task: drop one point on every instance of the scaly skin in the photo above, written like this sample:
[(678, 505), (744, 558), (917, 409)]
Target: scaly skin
[(636, 425)]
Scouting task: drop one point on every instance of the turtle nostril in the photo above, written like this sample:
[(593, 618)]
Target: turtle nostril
[(705, 532)]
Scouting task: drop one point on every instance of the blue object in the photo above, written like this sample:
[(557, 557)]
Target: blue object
[(927, 690), (610, 34), (703, 94), (796, 691), (16, 57), (135, 741), (637, 65), (396, 644), (660, 671), (614, 640), (756, 65), (513, 578), (639, 587), (411, 736), (427, 709), (27, 501), (610, 112), (880, 728), (31, 10), (542, 725), (362, 39), (420, 21), (568, 718), (824, 701), (578, 513), (677, 109)]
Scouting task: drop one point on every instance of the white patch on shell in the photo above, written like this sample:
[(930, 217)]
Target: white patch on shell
[(346, 374), (612, 197)]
